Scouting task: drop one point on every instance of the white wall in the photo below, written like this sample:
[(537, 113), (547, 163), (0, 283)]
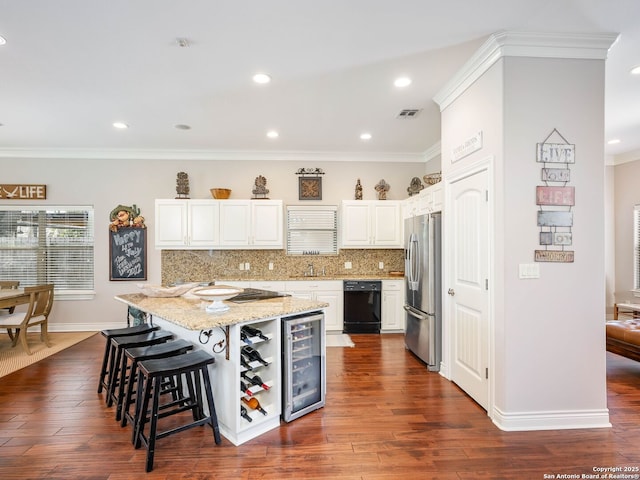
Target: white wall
[(108, 183)]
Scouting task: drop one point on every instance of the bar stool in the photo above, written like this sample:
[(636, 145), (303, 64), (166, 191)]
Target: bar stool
[(193, 367), (119, 369), (109, 352), (135, 355)]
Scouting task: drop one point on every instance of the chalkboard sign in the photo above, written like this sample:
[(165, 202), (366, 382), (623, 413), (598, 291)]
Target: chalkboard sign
[(128, 254)]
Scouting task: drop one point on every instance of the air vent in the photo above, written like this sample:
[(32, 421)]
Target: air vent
[(408, 113)]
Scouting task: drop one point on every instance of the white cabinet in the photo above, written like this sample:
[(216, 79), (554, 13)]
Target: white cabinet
[(251, 224), (371, 224), (219, 224), (186, 223), (392, 306), (329, 291), (429, 200)]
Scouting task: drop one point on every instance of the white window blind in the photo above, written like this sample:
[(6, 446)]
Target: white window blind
[(312, 230), (48, 244), (636, 248)]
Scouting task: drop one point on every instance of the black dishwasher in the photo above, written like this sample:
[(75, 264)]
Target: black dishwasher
[(362, 306)]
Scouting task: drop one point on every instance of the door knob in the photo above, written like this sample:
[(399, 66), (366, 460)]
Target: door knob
[(451, 292)]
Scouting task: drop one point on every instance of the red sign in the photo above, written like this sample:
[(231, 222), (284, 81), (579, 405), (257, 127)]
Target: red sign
[(564, 196)]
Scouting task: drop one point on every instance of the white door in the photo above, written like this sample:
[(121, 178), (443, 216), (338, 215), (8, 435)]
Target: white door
[(468, 286)]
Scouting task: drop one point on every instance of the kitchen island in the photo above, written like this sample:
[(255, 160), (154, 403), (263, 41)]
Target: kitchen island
[(220, 334)]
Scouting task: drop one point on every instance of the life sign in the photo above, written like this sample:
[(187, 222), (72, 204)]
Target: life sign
[(23, 192), (561, 196)]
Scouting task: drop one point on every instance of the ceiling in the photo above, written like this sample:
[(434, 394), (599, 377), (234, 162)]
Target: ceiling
[(71, 68)]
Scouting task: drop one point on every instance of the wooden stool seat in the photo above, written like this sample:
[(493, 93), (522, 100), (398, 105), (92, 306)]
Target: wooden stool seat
[(118, 377), (192, 368), (134, 355), (109, 352)]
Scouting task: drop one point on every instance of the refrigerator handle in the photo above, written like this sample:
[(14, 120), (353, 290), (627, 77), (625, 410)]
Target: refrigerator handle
[(415, 314), (414, 262)]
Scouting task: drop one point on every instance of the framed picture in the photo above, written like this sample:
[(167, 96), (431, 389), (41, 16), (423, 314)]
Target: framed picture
[(309, 188)]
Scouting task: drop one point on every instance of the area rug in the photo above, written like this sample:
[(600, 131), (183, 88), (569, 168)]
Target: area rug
[(12, 359), (339, 340)]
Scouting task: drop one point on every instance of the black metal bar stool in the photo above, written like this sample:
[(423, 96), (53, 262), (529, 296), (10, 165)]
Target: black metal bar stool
[(125, 395), (120, 363), (193, 369), (109, 352)]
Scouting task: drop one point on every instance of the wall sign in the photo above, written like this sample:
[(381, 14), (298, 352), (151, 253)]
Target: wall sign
[(128, 253), (556, 200), (467, 147), (23, 192)]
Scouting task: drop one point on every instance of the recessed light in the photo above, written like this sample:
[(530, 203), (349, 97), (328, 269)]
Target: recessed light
[(2, 40), (261, 78), (272, 134), (402, 82), (120, 125), (635, 70), (182, 126), (365, 136), (614, 141)]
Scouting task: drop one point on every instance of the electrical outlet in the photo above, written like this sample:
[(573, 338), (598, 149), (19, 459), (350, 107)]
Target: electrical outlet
[(381, 265), (241, 266), (348, 265), (247, 266), (270, 265)]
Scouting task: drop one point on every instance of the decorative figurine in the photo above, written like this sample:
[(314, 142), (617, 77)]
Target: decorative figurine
[(260, 190), (123, 216), (382, 188), (358, 190), (415, 186), (182, 185)]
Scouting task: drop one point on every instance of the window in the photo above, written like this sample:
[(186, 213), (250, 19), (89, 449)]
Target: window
[(48, 245), (312, 230), (636, 248)]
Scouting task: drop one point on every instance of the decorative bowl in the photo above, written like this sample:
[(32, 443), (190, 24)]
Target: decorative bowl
[(220, 193), (432, 178), (216, 294)]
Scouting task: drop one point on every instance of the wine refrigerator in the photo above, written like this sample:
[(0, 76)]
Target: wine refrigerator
[(303, 364)]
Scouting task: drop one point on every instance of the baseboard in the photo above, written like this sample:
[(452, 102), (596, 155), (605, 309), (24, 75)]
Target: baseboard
[(84, 327), (558, 420)]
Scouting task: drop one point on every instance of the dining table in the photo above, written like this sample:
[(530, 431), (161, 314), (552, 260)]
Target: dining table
[(12, 297)]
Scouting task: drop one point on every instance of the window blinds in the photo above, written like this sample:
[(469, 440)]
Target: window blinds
[(312, 230), (48, 245)]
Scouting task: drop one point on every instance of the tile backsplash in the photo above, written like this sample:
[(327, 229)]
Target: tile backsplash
[(205, 266)]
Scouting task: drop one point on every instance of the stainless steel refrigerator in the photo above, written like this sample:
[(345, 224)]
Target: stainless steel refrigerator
[(423, 288), (303, 364)]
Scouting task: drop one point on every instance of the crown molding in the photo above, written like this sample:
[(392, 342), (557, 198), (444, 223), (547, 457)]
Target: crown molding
[(524, 44), (218, 155), (432, 152)]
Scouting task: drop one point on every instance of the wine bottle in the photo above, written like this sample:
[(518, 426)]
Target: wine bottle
[(255, 380), (244, 363), (244, 414), (254, 355), (245, 338), (255, 404), (244, 389), (254, 332)]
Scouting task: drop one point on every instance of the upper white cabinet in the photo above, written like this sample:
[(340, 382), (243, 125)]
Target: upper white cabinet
[(429, 200), (371, 224), (186, 223), (219, 224)]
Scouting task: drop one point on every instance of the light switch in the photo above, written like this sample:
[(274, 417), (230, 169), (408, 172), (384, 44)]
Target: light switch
[(529, 270), (270, 265)]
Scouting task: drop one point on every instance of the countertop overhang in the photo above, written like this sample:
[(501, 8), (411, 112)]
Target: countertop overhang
[(191, 314)]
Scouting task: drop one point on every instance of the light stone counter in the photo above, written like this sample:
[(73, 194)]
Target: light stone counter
[(191, 314)]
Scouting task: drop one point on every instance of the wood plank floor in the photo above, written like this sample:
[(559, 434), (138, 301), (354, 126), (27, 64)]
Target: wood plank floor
[(386, 417)]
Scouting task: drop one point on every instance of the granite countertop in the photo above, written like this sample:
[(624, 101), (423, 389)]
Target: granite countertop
[(278, 278), (191, 314)]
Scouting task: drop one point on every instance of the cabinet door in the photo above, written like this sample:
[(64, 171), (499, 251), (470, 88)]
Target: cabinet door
[(266, 223), (171, 223), (235, 223), (333, 314), (385, 223), (204, 220), (392, 305), (355, 224)]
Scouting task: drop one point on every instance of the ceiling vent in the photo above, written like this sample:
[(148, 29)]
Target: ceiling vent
[(408, 113)]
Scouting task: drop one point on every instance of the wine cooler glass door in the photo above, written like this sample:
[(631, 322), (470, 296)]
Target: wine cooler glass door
[(303, 365)]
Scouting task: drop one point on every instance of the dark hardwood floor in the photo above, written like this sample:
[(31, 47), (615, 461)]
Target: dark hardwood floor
[(386, 417)]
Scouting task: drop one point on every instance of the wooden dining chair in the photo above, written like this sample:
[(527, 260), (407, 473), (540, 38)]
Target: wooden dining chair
[(8, 285), (40, 302)]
